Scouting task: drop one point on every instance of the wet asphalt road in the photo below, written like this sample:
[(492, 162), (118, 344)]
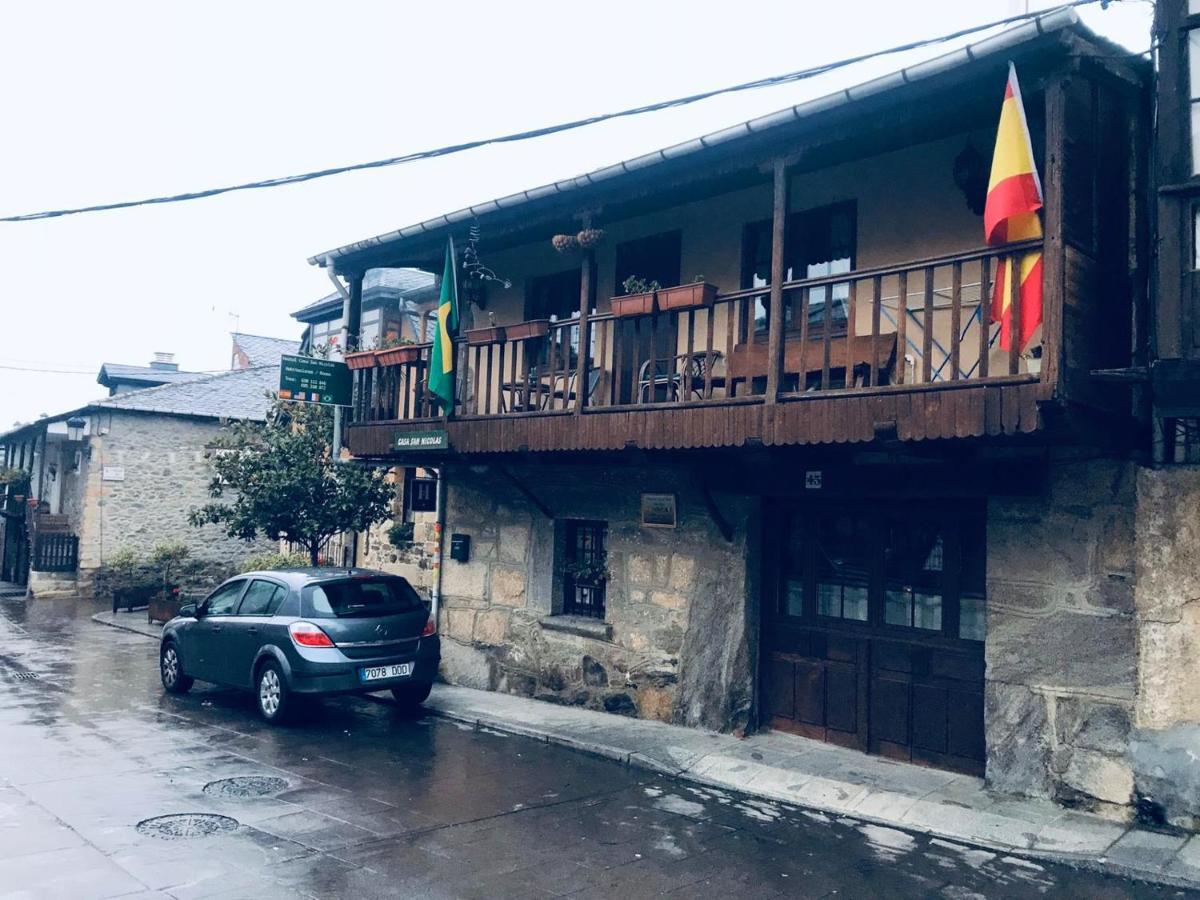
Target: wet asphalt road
[(357, 800)]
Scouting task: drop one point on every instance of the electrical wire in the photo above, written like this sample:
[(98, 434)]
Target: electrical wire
[(772, 81), (49, 371)]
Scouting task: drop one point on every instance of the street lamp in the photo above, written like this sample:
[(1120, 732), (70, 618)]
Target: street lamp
[(75, 426)]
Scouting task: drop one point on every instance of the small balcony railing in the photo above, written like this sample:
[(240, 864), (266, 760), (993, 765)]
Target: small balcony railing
[(925, 323)]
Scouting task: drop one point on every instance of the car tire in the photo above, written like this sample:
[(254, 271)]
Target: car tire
[(410, 696), (170, 670), (271, 693)]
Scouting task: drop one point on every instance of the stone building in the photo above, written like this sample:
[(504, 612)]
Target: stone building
[(738, 442), (124, 472)]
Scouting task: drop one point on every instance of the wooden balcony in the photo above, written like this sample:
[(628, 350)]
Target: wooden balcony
[(905, 351)]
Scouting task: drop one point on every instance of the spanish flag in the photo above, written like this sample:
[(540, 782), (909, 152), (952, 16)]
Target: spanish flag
[(441, 357), (1013, 199)]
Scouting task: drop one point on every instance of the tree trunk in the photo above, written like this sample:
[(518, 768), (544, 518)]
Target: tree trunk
[(314, 553)]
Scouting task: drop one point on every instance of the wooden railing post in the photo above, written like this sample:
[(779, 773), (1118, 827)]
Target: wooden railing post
[(775, 323), (584, 356), (1053, 259)]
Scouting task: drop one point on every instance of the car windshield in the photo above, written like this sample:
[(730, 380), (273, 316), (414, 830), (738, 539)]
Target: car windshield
[(360, 598)]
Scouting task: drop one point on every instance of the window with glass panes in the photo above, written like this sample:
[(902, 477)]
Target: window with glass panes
[(584, 569), (817, 242), (915, 568)]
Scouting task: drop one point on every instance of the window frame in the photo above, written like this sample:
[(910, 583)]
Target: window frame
[(597, 608), (271, 609), (240, 583)]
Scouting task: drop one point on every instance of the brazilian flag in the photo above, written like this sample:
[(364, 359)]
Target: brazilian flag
[(441, 359)]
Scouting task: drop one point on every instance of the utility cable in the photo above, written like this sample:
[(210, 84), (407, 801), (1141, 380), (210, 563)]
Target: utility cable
[(771, 81)]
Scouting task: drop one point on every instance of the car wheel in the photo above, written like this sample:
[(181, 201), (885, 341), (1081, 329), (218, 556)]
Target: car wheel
[(272, 692), (410, 696), (170, 667)]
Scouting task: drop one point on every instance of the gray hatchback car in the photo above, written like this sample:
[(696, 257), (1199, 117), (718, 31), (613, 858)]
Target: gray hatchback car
[(305, 631)]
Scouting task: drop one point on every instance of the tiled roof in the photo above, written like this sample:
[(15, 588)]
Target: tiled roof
[(264, 351), (110, 372), (240, 394)]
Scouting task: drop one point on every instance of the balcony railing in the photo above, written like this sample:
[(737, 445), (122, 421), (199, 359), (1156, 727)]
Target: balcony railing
[(923, 324)]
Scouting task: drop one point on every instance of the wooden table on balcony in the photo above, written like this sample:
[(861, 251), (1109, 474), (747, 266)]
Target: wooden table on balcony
[(748, 362)]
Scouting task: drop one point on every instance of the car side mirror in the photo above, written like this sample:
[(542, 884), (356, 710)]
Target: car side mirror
[(189, 611)]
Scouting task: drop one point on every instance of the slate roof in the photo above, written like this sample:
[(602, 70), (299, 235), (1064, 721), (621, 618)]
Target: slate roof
[(240, 394), (403, 282), (264, 351), (113, 372)]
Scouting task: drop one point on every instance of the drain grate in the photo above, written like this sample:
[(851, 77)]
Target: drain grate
[(26, 676), (181, 826), (246, 786)]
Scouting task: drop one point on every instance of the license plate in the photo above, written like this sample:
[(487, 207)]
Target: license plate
[(378, 673)]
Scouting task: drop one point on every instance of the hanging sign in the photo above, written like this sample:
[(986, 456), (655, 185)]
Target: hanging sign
[(311, 380)]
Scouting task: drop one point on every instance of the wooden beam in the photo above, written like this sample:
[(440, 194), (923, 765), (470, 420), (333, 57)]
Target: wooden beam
[(585, 307), (1053, 260), (352, 314), (716, 515), (775, 324), (526, 492)]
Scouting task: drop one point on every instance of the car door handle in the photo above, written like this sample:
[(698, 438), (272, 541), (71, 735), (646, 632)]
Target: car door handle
[(216, 627), (252, 630)]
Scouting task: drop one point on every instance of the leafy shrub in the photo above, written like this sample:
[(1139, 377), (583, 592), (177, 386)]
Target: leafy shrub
[(400, 534), (267, 561)]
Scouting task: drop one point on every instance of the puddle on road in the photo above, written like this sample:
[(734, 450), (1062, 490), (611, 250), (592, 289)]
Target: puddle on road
[(676, 804)]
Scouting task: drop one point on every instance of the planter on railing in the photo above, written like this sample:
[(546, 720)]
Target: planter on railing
[(494, 334), (523, 331), (687, 296), (633, 305), (363, 359), (399, 356)]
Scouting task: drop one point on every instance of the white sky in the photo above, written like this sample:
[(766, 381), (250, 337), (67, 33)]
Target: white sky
[(120, 100)]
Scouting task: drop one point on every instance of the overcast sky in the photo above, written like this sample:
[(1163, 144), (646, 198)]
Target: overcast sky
[(121, 100)]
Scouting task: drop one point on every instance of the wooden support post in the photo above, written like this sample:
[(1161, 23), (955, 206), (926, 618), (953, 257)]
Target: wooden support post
[(1053, 259), (775, 322), (352, 315), (583, 365)]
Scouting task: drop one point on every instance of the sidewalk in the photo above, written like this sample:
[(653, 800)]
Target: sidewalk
[(841, 782), (822, 777)]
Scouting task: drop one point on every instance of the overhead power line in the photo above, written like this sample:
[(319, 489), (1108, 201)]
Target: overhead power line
[(772, 81)]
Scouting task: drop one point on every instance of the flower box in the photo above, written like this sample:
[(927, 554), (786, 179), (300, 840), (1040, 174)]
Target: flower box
[(477, 337), (399, 356), (633, 305), (363, 359), (164, 607), (523, 331), (687, 296)]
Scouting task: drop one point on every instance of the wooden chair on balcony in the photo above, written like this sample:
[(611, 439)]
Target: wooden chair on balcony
[(676, 376)]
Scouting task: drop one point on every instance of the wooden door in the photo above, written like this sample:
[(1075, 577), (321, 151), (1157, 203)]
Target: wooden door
[(873, 631)]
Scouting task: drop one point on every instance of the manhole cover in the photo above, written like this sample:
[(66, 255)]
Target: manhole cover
[(182, 826), (246, 786)]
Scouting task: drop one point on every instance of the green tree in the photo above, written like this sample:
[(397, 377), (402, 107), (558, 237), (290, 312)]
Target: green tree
[(279, 479)]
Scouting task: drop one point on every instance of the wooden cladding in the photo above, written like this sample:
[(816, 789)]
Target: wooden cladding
[(1003, 406)]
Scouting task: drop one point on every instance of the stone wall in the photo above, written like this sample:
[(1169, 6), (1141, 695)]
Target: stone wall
[(677, 643), (413, 561), (1165, 751), (1061, 637), (166, 475)]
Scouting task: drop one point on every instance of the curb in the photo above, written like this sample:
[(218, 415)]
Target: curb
[(99, 619), (635, 760)]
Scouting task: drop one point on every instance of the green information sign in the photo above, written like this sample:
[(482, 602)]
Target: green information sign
[(421, 440), (312, 380)]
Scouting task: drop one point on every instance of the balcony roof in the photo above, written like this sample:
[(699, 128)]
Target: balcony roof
[(1051, 37)]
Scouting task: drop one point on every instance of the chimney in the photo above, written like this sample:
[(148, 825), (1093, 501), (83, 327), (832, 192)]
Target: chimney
[(164, 362)]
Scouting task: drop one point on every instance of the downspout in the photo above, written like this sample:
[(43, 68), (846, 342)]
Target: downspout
[(435, 594)]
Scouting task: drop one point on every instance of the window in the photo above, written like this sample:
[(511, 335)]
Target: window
[(222, 601), (899, 567), (817, 242), (360, 598), (262, 599), (421, 492), (654, 258), (585, 571), (553, 296)]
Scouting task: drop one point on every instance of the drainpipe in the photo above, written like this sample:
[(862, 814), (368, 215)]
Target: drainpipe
[(435, 595)]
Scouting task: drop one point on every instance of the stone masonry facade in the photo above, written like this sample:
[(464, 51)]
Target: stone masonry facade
[(165, 474), (668, 592)]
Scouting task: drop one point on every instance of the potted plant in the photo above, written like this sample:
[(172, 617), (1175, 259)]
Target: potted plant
[(590, 574), (534, 328), (564, 243), (638, 299), (699, 293), (167, 559), (492, 334), (589, 238), (398, 352), (360, 359)]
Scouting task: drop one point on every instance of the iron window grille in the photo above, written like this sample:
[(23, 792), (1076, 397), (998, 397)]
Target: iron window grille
[(585, 575)]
